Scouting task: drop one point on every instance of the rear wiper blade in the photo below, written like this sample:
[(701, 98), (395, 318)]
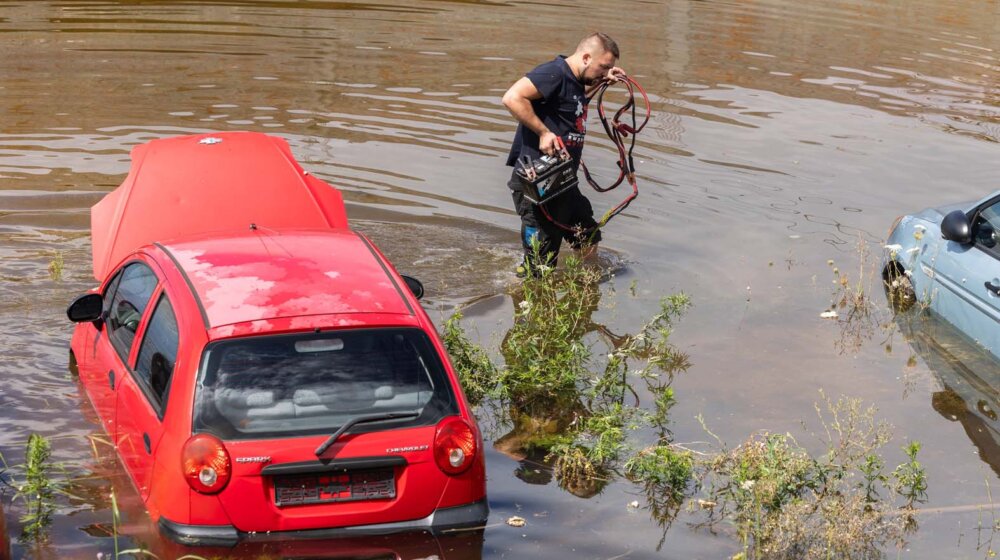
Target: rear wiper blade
[(363, 419)]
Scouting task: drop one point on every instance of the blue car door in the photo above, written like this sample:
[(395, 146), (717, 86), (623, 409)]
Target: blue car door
[(967, 279)]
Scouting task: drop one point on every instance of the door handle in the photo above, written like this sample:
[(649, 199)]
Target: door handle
[(995, 288), (146, 442), (111, 379)]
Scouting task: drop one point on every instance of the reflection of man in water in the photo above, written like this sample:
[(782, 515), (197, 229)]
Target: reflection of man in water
[(550, 104), (538, 422)]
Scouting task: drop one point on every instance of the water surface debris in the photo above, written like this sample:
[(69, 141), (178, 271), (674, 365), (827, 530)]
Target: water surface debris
[(515, 521)]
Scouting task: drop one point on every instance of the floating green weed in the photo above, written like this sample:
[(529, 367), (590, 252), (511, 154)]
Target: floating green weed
[(852, 300), (56, 267)]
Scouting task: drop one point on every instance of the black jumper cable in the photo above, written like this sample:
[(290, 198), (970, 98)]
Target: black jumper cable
[(549, 176)]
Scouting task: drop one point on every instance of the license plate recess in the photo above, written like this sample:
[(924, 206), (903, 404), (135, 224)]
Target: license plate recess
[(332, 487)]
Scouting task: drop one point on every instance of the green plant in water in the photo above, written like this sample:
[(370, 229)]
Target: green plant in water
[(871, 469), (665, 473), (577, 472), (476, 371), (37, 490), (670, 469), (56, 267), (788, 503), (858, 316), (544, 352), (574, 405), (911, 477)]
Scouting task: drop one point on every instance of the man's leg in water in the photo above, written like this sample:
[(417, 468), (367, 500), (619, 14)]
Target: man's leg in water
[(539, 236)]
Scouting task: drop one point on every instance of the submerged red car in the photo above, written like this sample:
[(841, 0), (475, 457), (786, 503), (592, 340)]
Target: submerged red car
[(260, 366)]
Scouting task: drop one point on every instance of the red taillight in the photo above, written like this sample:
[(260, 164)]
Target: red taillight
[(454, 445), (206, 464)]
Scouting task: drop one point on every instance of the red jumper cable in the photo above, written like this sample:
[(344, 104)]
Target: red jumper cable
[(618, 132)]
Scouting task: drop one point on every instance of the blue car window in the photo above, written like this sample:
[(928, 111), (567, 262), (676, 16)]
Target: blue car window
[(157, 354), (127, 306), (985, 227)]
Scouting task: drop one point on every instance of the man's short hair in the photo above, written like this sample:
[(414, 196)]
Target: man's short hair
[(602, 40)]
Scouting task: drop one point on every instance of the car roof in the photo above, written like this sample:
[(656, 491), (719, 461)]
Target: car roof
[(223, 181), (261, 274)]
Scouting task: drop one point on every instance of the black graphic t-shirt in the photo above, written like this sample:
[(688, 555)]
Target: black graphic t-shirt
[(562, 108)]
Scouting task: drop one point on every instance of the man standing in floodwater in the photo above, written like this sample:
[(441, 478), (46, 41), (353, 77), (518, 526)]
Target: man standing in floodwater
[(550, 104)]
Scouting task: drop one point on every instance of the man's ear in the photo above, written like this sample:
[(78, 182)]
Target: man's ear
[(586, 58)]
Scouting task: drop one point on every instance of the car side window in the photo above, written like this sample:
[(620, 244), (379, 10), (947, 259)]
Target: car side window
[(127, 306), (158, 353), (986, 229), (109, 294)]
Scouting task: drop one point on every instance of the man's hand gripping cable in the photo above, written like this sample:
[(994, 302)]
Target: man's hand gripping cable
[(618, 132)]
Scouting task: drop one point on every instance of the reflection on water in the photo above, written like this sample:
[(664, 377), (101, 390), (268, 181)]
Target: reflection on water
[(571, 393), (467, 545), (782, 132), (968, 376)]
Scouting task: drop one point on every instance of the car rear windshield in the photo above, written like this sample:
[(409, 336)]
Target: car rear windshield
[(295, 385)]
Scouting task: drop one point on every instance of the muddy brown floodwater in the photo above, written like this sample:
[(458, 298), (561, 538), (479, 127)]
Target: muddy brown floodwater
[(783, 132)]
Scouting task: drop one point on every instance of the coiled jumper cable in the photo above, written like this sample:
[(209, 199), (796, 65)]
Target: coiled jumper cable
[(618, 132)]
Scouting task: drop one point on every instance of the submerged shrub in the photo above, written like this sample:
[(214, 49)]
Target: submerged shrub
[(669, 469), (475, 370), (555, 374), (577, 404), (544, 352), (788, 503), (577, 472)]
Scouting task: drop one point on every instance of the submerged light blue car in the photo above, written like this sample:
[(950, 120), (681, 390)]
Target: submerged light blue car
[(948, 259)]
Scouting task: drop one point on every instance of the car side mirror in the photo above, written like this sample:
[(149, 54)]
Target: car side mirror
[(86, 308), (956, 227), (415, 286)]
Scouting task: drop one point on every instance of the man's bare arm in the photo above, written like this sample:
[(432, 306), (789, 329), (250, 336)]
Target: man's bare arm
[(518, 101)]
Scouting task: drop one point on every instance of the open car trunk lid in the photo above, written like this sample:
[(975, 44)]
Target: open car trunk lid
[(203, 183)]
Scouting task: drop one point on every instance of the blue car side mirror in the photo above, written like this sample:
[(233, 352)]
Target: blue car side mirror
[(956, 227)]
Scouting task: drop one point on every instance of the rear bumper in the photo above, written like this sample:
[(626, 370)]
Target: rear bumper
[(440, 520)]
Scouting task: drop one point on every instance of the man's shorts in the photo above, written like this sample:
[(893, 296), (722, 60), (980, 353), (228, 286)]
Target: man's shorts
[(570, 209)]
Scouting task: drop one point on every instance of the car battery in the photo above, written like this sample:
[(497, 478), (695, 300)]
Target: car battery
[(546, 177)]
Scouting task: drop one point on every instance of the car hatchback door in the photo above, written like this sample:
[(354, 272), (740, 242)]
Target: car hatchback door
[(277, 401)]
